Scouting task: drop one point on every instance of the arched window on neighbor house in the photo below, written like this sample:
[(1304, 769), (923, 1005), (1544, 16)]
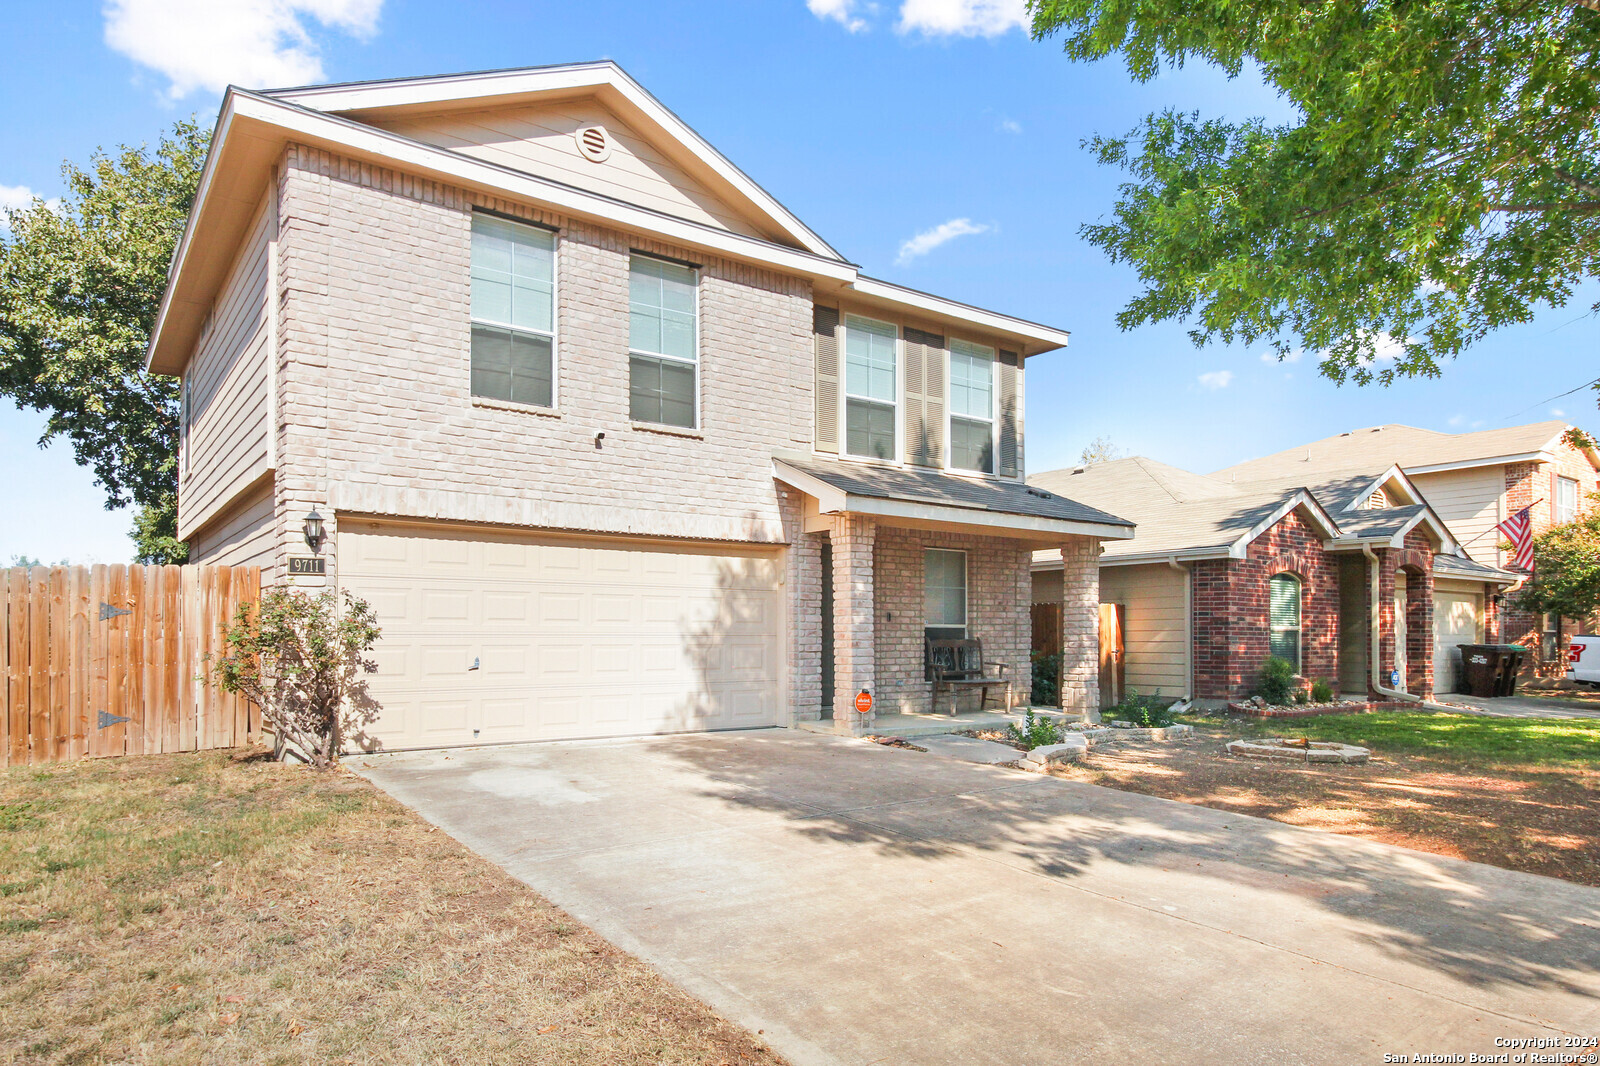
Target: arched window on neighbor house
[(1284, 618)]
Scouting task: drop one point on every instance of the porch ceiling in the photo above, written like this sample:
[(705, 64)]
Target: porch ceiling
[(929, 499)]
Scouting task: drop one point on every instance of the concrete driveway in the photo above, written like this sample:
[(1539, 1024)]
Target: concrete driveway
[(863, 904), (1528, 706)]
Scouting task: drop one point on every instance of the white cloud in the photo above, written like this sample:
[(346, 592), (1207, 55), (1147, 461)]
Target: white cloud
[(1216, 379), (964, 18), (1558, 412), (844, 12), (1009, 125), (1456, 420), (18, 198), (929, 239), (209, 44)]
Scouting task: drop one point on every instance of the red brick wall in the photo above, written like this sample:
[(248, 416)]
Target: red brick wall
[(1535, 483), (1232, 636)]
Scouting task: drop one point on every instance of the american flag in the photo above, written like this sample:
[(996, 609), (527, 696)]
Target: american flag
[(1519, 531)]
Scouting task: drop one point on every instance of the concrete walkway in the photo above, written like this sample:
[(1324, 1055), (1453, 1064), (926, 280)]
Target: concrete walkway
[(865, 904), (1519, 706)]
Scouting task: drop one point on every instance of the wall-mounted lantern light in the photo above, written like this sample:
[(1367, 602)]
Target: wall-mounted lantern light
[(313, 530)]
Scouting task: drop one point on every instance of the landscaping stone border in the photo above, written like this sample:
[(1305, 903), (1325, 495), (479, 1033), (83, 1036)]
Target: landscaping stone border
[(1311, 710), (1318, 751), (1164, 732)]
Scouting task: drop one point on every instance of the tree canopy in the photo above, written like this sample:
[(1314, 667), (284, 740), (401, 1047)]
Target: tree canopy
[(1566, 570), (80, 285), (1440, 179)]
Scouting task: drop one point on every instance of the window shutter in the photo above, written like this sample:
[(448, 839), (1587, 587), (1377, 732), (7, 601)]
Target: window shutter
[(924, 397), (825, 335), (1010, 414)]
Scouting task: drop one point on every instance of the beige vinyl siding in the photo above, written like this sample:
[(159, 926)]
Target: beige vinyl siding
[(226, 448), (1155, 626), (1469, 503), (242, 535), (539, 141)]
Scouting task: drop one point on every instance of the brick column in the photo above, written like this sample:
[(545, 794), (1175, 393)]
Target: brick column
[(854, 648), (804, 577), (1080, 627)]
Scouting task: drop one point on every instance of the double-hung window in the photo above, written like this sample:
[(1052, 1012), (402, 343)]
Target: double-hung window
[(1283, 604), (972, 420), (513, 311), (944, 592), (870, 411), (663, 342), (1566, 500)]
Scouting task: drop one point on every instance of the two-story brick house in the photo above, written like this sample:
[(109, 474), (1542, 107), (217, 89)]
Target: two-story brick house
[(613, 442)]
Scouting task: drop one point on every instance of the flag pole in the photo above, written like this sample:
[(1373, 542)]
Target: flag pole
[(1486, 532)]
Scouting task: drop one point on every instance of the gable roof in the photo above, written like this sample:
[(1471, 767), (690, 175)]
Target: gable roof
[(254, 128), (371, 101), (1186, 515), (1417, 450)]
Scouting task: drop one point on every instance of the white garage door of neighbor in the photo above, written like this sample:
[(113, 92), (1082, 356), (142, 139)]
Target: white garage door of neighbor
[(1455, 622), (490, 639)]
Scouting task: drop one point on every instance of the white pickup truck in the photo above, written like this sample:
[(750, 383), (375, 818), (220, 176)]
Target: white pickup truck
[(1583, 661)]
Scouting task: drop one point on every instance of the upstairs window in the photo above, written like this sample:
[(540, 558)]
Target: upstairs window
[(1284, 622), (972, 421), (870, 411), (663, 342), (513, 311), (1566, 500)]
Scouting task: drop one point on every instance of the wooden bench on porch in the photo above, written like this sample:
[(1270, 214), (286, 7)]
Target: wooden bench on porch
[(955, 666)]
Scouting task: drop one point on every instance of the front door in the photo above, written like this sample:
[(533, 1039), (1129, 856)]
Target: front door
[(1112, 659), (1353, 638), (1400, 604)]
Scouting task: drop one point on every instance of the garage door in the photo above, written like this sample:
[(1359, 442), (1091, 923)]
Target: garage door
[(1455, 622), (490, 639)]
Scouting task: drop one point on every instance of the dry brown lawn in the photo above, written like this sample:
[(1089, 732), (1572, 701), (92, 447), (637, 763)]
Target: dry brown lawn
[(222, 909), (1540, 818)]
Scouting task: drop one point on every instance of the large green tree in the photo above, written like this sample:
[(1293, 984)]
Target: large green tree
[(1440, 177), (1566, 570), (80, 285)]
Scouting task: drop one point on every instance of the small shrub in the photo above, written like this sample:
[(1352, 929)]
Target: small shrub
[(1147, 712), (1275, 683), (1035, 732), (1046, 679), (1302, 696), (1321, 691)]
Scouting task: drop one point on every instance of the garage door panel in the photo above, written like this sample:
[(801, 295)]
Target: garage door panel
[(1455, 622), (573, 639)]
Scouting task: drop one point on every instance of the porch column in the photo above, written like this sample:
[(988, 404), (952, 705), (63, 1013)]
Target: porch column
[(854, 647), (1080, 627)]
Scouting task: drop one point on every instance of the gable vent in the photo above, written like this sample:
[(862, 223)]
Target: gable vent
[(594, 143)]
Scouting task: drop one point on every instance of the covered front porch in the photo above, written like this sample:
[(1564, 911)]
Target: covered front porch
[(884, 560)]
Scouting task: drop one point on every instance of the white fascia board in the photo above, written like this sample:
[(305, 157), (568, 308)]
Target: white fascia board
[(1446, 542), (976, 316), (413, 92), (1302, 498), (1493, 460), (346, 133), (831, 500), (1393, 473), (1220, 551)]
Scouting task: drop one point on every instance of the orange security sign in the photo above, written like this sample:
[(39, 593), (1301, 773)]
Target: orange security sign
[(864, 702)]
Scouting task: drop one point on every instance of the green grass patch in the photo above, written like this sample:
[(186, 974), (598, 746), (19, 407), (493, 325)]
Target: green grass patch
[(1452, 737)]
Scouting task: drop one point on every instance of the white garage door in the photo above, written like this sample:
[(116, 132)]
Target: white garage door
[(1455, 622), (490, 639)]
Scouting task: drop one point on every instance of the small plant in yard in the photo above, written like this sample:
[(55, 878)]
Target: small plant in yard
[(1321, 691), (1302, 696), (299, 657), (1147, 712), (1035, 732), (1275, 683), (1046, 678)]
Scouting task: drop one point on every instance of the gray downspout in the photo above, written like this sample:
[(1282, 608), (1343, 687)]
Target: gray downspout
[(1377, 637)]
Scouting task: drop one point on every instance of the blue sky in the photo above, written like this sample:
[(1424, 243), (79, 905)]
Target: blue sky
[(876, 123)]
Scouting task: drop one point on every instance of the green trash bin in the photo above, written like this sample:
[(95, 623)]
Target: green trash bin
[(1491, 669)]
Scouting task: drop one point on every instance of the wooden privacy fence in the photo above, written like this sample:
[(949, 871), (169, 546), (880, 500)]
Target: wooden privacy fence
[(112, 660)]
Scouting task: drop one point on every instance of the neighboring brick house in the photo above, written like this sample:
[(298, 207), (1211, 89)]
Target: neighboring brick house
[(1224, 574), (611, 440), (1475, 481)]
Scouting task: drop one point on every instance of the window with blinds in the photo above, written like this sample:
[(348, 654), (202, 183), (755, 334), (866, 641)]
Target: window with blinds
[(513, 311), (663, 342), (870, 414), (1284, 618), (944, 593), (972, 421), (1566, 500)]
